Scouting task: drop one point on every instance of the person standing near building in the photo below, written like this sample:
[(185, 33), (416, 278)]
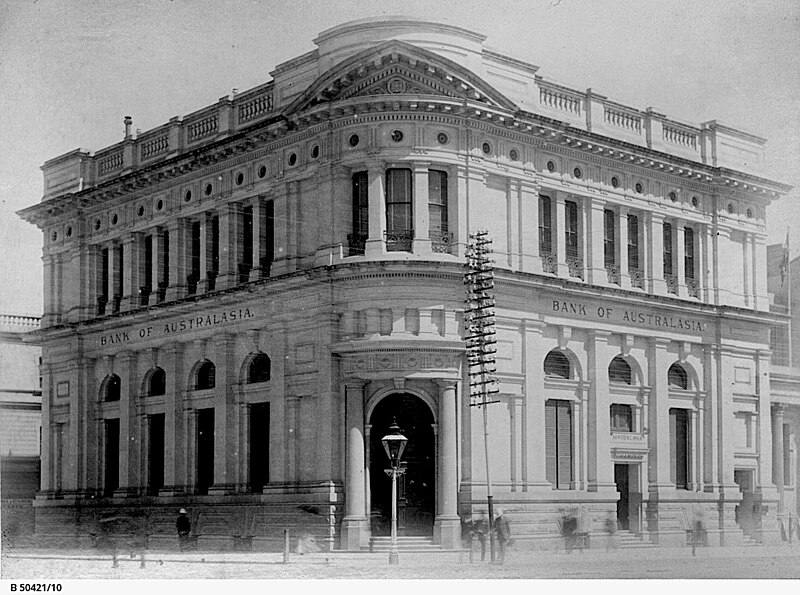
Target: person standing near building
[(184, 526), (503, 533)]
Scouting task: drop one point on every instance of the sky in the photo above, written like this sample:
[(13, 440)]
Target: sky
[(70, 70)]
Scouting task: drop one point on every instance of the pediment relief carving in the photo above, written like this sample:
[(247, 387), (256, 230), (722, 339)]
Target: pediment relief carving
[(398, 68), (397, 80)]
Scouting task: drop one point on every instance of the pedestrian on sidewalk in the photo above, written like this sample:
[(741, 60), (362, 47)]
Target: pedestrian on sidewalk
[(184, 526), (503, 533), (611, 529)]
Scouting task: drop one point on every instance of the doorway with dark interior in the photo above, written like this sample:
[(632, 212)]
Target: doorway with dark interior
[(622, 480), (416, 490)]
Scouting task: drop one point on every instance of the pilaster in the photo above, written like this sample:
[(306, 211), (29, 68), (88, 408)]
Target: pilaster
[(420, 210), (447, 526), (226, 417), (355, 524), (600, 468), (375, 246)]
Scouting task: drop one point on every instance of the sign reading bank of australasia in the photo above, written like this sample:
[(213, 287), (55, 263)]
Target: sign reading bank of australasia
[(628, 316), (173, 327)]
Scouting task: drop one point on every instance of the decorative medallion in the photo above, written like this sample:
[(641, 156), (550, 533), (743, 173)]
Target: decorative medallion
[(385, 362), (396, 85), (397, 135), (442, 138)]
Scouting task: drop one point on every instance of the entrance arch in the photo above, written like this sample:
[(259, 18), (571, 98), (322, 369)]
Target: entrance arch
[(416, 488)]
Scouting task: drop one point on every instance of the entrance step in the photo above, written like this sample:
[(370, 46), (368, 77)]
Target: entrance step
[(749, 541), (404, 544), (630, 540)]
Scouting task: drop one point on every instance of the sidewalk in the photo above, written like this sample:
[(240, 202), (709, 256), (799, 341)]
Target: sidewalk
[(740, 562)]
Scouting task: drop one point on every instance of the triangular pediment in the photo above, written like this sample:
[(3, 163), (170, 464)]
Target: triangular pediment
[(398, 69)]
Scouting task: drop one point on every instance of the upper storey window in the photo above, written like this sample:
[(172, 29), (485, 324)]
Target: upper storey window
[(158, 383), (556, 365), (206, 376), (545, 226), (259, 369), (633, 252), (610, 246), (112, 388), (677, 377), (574, 261), (619, 371), (437, 211), (669, 276), (689, 263), (357, 239), (399, 222)]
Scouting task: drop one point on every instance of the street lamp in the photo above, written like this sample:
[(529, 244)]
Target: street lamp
[(394, 444)]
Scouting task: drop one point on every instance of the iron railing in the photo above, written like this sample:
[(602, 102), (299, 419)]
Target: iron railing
[(399, 240)]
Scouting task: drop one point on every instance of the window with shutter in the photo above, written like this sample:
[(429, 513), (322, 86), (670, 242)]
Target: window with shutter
[(609, 239), (558, 444), (667, 249), (633, 242), (564, 428), (679, 447), (688, 251), (545, 226), (571, 231), (550, 441)]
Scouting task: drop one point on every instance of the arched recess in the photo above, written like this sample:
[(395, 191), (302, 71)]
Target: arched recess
[(637, 376), (685, 371), (110, 388), (154, 383), (256, 368), (416, 488), (558, 355), (203, 375)]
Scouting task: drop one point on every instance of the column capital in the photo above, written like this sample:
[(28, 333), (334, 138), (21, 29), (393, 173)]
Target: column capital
[(597, 202), (223, 339), (658, 342), (597, 335), (355, 383), (778, 409), (126, 357), (445, 383)]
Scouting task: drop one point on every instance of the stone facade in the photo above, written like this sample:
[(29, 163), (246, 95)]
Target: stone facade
[(238, 304)]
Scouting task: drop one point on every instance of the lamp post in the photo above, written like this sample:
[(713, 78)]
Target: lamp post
[(394, 444)]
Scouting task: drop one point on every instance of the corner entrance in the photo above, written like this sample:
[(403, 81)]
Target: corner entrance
[(416, 497), (745, 517), (622, 479)]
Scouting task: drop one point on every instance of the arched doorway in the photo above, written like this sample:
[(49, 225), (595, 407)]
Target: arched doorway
[(416, 488)]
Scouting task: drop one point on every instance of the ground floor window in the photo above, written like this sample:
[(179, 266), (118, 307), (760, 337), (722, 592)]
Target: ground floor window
[(558, 443), (155, 479), (259, 447), (679, 447), (621, 418), (205, 450), (111, 475)]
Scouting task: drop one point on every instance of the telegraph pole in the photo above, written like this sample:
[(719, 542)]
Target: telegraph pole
[(479, 322)]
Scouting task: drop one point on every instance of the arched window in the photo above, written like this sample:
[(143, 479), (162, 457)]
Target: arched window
[(259, 369), (158, 383), (112, 388), (206, 376), (619, 371), (677, 378), (556, 365)]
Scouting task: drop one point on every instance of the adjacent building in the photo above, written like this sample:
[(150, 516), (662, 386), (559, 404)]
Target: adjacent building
[(239, 303), (20, 421)]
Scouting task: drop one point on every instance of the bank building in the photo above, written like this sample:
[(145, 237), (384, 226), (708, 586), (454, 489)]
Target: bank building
[(239, 302)]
